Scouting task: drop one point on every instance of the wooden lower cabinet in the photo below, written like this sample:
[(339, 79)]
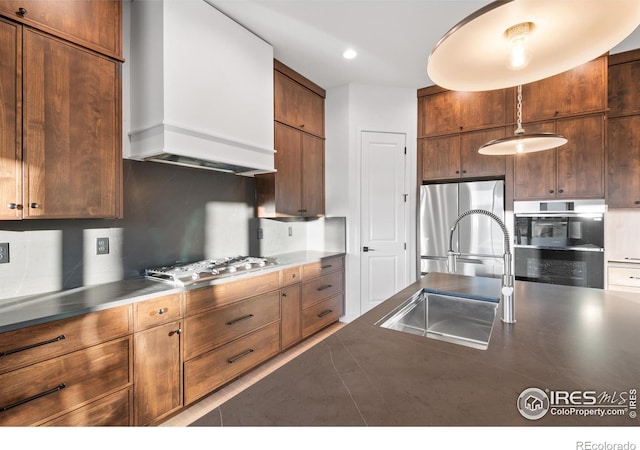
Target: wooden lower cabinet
[(217, 367), (623, 162), (37, 393), (112, 410), (321, 314), (157, 368), (291, 315)]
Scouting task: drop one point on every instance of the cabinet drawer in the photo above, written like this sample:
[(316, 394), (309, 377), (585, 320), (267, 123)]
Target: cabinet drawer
[(291, 275), (31, 394), (320, 288), (624, 276), (211, 329), (30, 345), (322, 314), (316, 269), (211, 370), (224, 293), (112, 410), (157, 311)]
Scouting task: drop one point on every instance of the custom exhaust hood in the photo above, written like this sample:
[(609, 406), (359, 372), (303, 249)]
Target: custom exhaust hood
[(201, 89)]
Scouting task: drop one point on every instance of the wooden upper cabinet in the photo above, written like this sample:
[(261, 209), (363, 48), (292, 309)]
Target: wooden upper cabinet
[(445, 112), (624, 79), (10, 121), (623, 157), (296, 104), (71, 130), (574, 170), (577, 91), (474, 164), (94, 24), (440, 158)]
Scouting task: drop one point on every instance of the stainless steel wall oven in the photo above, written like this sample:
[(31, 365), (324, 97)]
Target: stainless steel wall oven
[(560, 242)]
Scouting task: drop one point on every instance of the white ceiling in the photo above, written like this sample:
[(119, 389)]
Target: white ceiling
[(393, 38)]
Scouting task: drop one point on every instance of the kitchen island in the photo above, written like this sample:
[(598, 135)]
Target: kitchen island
[(578, 346)]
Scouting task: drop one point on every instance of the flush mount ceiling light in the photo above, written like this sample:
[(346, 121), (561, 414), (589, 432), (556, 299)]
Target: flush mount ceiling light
[(349, 53), (513, 42), (521, 142)]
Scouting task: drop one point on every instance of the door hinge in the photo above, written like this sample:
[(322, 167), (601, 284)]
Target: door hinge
[(405, 197), (405, 150), (405, 245)]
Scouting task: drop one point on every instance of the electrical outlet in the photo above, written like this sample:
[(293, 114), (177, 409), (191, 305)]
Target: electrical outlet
[(290, 231), (260, 233), (4, 252), (102, 246)]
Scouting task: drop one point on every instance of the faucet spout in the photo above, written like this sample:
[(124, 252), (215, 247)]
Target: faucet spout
[(507, 289)]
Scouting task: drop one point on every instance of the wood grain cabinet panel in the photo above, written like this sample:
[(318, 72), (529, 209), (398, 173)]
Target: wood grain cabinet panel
[(10, 121), (295, 104), (157, 368), (322, 267), (32, 394), (322, 314), (535, 173), (624, 78), (216, 327), (217, 367), (291, 275), (322, 287), (580, 90), (157, 311), (440, 158), (94, 24), (291, 316), (474, 164), (29, 345), (623, 190), (112, 410)]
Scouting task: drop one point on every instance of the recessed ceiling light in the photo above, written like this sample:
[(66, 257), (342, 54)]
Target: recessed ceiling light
[(349, 53)]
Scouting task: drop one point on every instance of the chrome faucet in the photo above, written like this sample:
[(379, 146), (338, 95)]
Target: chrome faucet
[(506, 291)]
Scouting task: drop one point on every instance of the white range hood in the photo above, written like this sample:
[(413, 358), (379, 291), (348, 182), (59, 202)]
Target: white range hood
[(201, 89)]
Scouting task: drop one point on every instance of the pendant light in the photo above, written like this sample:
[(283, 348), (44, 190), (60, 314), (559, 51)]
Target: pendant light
[(513, 42), (521, 142)]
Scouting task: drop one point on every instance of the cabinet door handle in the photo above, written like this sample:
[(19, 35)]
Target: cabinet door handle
[(326, 286), (302, 126), (240, 356), (326, 266), (634, 278), (12, 205), (637, 202), (632, 258), (325, 312), (560, 191), (21, 11), (241, 319), (550, 191), (163, 310), (178, 332), (34, 397), (34, 205), (284, 295), (29, 347)]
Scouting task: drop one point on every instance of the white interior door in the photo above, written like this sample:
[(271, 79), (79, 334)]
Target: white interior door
[(383, 217)]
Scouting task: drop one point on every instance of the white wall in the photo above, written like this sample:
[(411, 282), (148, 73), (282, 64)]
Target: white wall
[(350, 110)]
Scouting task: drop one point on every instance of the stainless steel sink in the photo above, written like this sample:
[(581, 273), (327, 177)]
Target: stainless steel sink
[(450, 317)]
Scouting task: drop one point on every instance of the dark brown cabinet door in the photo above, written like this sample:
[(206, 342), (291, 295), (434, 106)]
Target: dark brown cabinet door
[(577, 91), (441, 158), (474, 164), (312, 175), (291, 315), (580, 162), (535, 173), (298, 106), (72, 141), (624, 79), (624, 162), (10, 125), (452, 111), (157, 365), (95, 24), (288, 163)]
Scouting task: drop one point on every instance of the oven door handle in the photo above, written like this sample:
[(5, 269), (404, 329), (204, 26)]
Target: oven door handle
[(578, 249)]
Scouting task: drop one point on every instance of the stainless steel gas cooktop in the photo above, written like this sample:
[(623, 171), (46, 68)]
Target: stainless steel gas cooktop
[(208, 269)]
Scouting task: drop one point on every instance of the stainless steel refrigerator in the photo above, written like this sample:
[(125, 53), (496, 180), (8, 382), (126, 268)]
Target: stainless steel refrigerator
[(440, 206)]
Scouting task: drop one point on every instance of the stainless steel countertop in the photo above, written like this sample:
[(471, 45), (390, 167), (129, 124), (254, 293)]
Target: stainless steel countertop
[(30, 310)]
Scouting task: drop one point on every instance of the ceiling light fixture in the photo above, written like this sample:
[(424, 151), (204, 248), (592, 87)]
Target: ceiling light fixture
[(521, 142), (514, 42), (349, 53)]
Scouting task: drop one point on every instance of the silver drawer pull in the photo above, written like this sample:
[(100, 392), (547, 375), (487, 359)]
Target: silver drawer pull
[(29, 347), (163, 310), (34, 397), (325, 312), (240, 356), (634, 278), (326, 286), (241, 319)]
